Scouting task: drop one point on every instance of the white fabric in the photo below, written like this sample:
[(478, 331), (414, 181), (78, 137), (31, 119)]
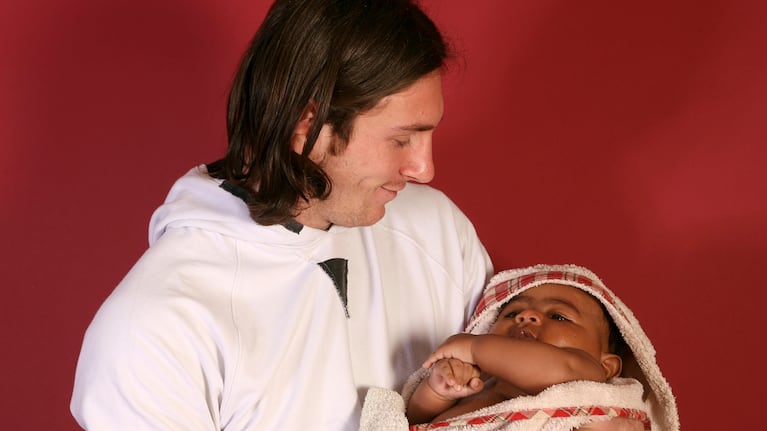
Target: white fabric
[(224, 324)]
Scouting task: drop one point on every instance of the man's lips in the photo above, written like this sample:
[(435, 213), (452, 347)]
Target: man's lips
[(394, 187), (392, 190)]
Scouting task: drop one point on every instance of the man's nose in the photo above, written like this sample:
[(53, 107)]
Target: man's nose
[(528, 316), (419, 166)]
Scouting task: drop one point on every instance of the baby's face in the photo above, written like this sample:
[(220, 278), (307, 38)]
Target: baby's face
[(563, 316)]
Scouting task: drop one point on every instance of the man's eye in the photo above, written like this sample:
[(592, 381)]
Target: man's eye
[(402, 143)]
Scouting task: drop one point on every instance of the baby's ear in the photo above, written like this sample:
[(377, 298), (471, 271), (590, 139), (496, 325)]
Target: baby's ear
[(612, 364)]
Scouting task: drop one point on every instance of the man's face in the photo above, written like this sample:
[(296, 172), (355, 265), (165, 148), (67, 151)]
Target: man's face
[(389, 146), (563, 316)]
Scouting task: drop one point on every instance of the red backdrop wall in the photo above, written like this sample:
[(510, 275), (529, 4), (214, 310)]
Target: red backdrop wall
[(627, 137)]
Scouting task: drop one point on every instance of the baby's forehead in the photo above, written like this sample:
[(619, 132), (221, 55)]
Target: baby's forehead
[(556, 293), (553, 290)]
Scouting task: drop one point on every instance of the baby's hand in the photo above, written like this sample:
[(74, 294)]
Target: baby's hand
[(452, 379), (457, 346)]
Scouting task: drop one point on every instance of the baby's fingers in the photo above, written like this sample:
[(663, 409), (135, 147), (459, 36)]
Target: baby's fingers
[(463, 372), (476, 384), (461, 379), (457, 346), (433, 359)]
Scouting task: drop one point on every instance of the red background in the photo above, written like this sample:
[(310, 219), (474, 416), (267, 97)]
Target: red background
[(627, 137)]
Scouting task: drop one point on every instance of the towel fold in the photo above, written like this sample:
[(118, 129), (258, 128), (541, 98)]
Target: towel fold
[(561, 407)]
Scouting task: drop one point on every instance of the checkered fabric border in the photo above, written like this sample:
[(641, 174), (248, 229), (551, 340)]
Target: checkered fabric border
[(541, 414), (502, 291)]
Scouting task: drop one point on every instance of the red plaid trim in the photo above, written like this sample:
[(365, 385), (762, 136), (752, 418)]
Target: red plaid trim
[(561, 412), (504, 290)]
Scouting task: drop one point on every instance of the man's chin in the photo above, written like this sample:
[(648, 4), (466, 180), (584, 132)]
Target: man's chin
[(368, 219)]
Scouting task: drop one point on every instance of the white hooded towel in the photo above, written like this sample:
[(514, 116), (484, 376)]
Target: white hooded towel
[(640, 393)]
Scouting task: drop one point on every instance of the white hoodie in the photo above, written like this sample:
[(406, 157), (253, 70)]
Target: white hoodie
[(224, 324)]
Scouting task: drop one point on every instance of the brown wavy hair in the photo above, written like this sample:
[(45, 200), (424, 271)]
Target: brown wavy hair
[(342, 55)]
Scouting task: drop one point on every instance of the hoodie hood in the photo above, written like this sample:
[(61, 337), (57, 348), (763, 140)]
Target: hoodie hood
[(197, 200)]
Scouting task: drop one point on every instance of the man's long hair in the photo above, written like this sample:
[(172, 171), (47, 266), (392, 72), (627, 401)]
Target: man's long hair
[(342, 56)]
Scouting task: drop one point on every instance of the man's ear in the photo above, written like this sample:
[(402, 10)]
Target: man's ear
[(300, 132), (612, 364)]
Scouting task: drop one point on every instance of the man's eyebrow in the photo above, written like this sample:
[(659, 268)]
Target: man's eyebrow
[(418, 127)]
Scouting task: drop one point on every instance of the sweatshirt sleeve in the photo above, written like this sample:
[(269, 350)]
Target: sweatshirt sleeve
[(149, 360)]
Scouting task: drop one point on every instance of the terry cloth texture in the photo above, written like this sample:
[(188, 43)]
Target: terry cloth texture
[(561, 407), (557, 408)]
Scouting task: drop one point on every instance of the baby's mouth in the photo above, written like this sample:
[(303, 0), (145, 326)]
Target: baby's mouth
[(523, 334)]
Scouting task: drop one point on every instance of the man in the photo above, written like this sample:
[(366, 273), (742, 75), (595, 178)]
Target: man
[(307, 264)]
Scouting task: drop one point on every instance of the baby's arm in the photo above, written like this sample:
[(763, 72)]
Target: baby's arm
[(530, 365), (449, 380)]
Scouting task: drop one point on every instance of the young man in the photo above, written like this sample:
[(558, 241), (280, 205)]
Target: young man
[(307, 264)]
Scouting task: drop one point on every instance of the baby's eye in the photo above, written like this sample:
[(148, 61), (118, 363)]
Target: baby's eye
[(511, 314), (557, 316)]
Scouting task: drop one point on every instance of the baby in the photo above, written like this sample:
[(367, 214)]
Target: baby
[(549, 347), (549, 334)]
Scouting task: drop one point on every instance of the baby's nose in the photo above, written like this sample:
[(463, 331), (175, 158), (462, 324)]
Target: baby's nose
[(529, 316)]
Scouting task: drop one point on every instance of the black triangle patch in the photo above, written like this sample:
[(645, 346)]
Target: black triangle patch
[(337, 269)]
